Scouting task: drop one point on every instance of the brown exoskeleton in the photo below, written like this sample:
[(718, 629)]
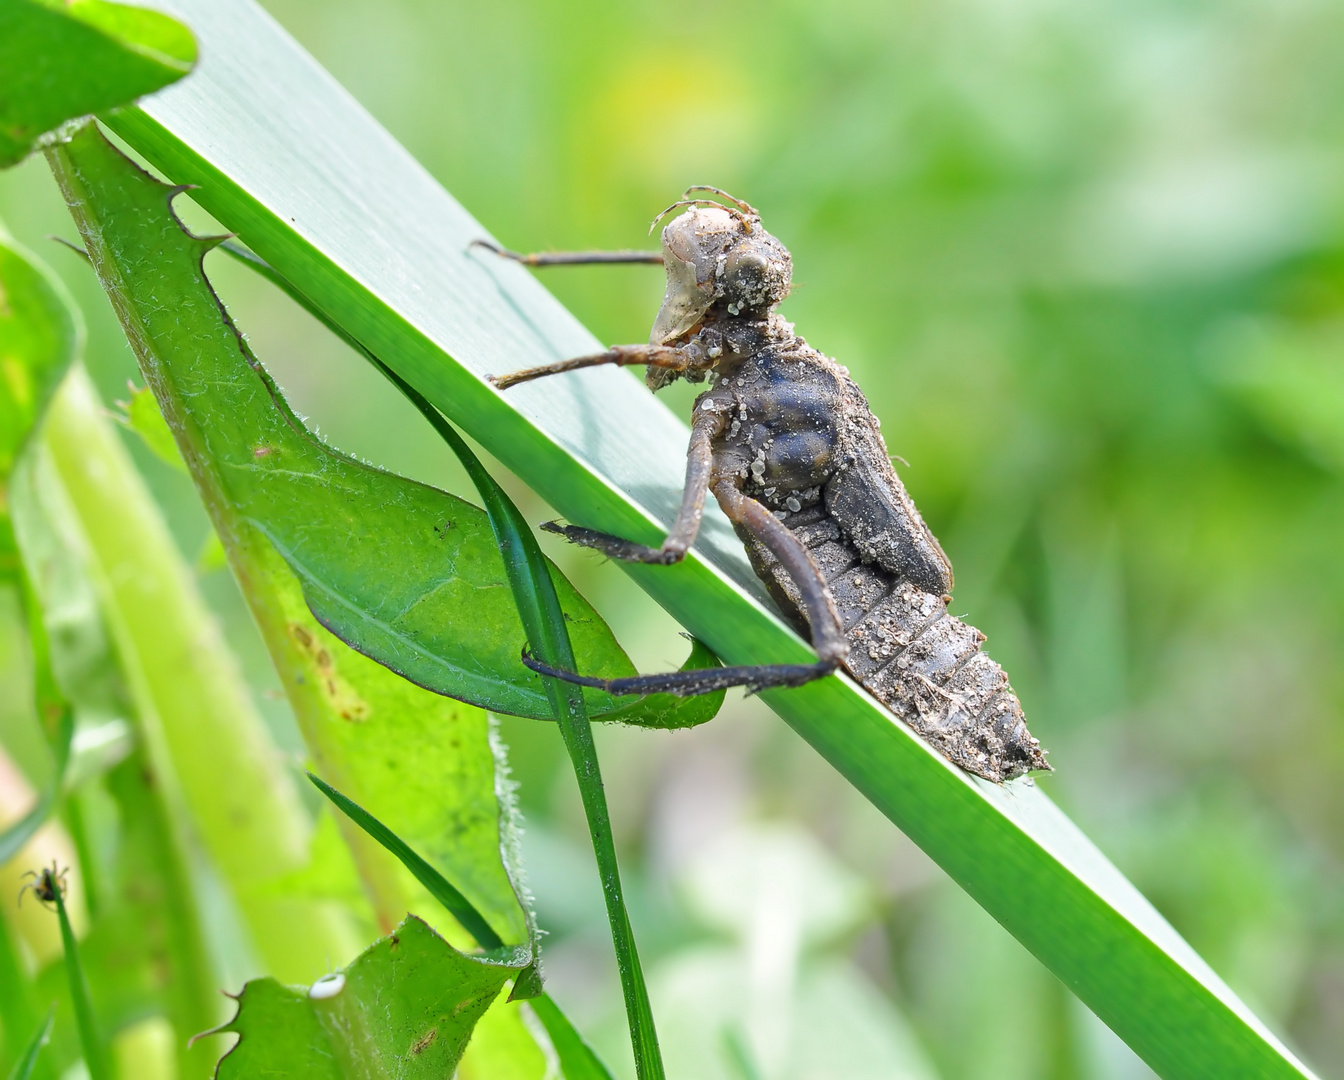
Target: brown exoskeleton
[(788, 446)]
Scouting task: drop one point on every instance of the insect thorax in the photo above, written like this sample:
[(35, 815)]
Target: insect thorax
[(783, 405)]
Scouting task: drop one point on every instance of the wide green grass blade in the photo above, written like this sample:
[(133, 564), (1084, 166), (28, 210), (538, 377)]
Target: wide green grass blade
[(287, 159), (62, 60)]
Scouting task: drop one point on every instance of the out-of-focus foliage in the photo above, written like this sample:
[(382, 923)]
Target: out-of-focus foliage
[(39, 336), (1088, 264)]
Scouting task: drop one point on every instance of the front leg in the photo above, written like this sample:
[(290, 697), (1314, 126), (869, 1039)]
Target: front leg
[(662, 356), (699, 464)]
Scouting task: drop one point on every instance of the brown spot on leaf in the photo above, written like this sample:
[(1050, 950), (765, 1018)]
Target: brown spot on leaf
[(343, 698), (425, 1041)]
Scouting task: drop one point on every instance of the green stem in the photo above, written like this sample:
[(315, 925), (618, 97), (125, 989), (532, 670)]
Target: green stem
[(91, 1042), (544, 621), (219, 776)]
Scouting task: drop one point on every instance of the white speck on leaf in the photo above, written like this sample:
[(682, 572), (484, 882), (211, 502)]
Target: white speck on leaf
[(327, 987)]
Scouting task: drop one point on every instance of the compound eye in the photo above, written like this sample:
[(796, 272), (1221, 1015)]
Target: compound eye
[(744, 268), (752, 279)]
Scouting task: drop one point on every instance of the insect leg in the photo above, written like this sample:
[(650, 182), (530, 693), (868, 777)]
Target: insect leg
[(827, 631), (662, 356), (699, 465), (571, 258)]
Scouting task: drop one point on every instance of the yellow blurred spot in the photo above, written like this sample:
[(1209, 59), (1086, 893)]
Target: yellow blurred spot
[(146, 1051), (17, 381)]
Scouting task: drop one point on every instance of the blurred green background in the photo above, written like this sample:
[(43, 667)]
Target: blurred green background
[(1087, 261)]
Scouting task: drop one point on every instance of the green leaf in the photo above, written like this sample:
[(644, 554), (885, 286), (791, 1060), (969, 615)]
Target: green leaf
[(404, 1008), (60, 59), (27, 1061), (140, 413), (287, 159)]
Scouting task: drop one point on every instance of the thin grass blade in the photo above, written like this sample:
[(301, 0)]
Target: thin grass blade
[(86, 1022), (27, 1061), (473, 922), (577, 1059), (544, 621)]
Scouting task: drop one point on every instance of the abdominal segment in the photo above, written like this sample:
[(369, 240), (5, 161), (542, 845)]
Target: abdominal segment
[(923, 664)]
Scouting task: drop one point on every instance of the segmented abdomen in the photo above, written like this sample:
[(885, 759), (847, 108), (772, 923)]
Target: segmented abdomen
[(922, 663)]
